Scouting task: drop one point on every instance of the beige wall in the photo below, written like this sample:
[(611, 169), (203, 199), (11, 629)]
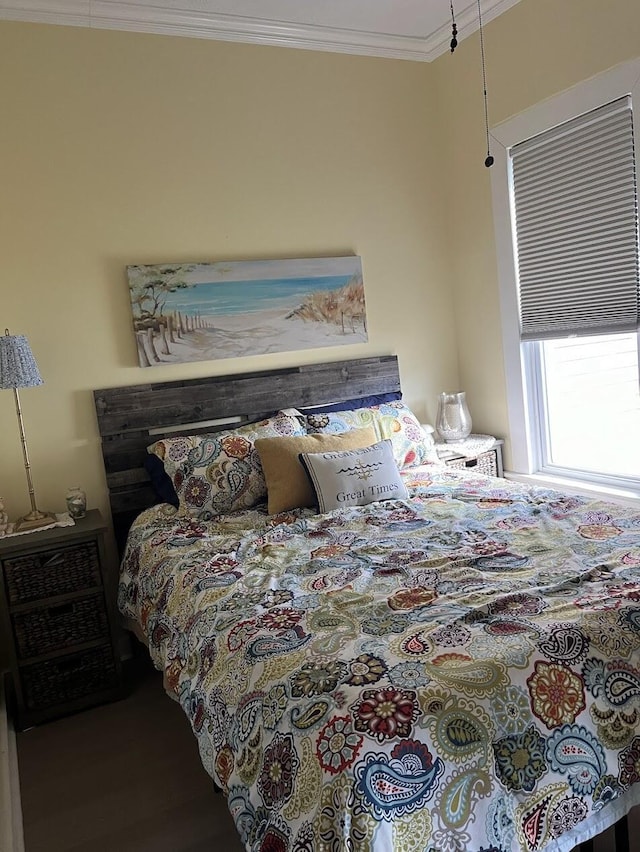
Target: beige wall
[(120, 148), (535, 50)]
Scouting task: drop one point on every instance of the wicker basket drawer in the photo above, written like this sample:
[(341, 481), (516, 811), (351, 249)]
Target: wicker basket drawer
[(66, 678), (48, 573), (486, 463), (38, 631)]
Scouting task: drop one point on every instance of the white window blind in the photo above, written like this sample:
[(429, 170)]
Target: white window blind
[(576, 216)]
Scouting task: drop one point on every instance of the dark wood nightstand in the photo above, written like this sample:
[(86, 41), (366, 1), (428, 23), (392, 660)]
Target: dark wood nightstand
[(488, 462), (57, 602)]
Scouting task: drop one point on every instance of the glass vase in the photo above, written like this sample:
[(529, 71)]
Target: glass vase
[(76, 502), (453, 421)]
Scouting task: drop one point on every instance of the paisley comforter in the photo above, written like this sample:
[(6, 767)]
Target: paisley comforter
[(457, 671)]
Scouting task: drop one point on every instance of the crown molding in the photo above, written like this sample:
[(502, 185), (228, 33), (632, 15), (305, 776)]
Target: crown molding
[(131, 17)]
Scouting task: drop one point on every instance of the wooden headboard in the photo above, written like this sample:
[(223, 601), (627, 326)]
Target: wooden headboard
[(132, 417)]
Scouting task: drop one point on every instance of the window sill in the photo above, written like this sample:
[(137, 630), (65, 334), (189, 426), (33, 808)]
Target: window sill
[(626, 496)]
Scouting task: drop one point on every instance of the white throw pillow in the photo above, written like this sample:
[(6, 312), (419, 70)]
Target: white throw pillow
[(354, 477)]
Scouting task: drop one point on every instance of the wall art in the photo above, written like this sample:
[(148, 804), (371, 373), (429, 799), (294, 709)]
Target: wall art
[(204, 311)]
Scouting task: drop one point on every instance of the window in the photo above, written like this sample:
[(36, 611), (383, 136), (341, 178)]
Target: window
[(566, 213), (590, 406)]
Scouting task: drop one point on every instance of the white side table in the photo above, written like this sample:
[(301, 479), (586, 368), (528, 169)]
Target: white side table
[(482, 453)]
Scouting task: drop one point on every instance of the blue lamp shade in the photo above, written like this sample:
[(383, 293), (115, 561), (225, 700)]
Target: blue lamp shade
[(18, 368)]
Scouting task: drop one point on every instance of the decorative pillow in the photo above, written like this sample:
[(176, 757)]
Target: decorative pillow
[(288, 485), (160, 480), (351, 404), (394, 420), (355, 477), (217, 473)]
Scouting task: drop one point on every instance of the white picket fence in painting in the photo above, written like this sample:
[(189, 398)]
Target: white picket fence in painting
[(152, 345)]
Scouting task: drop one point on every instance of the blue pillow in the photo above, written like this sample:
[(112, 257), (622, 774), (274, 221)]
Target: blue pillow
[(352, 404), (160, 480)]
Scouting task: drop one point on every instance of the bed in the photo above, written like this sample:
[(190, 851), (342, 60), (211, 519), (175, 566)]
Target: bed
[(454, 668)]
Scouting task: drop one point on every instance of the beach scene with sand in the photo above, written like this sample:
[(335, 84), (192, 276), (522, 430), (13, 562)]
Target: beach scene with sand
[(195, 312)]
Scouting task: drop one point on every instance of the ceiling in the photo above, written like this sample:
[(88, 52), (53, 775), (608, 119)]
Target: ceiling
[(418, 30)]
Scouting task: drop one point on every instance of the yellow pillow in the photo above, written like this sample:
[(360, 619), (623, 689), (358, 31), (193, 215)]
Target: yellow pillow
[(288, 485)]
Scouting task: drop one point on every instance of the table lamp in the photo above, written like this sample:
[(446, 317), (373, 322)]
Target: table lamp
[(18, 369)]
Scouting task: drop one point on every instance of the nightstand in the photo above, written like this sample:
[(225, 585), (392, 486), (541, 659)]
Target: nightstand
[(57, 603), (488, 462)]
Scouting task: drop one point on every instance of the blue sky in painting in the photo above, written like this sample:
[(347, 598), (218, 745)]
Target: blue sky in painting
[(266, 270)]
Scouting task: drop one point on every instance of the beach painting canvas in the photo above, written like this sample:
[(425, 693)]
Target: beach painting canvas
[(204, 311)]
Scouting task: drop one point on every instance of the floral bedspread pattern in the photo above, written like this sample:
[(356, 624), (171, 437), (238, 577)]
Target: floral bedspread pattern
[(456, 671)]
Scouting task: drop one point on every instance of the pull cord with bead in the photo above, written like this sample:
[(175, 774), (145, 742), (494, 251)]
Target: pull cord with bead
[(489, 159), (453, 44)]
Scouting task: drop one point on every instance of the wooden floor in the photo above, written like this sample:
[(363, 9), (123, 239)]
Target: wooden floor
[(126, 776)]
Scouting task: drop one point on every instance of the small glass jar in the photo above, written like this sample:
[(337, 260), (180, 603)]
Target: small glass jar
[(76, 502), (453, 421)]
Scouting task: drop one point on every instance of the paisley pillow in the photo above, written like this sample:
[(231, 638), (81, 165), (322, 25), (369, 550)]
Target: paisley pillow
[(394, 420), (220, 472)]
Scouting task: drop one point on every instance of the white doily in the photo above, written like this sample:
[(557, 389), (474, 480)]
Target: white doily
[(470, 447), (62, 519)]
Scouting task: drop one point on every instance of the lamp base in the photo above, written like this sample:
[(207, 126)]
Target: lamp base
[(34, 521)]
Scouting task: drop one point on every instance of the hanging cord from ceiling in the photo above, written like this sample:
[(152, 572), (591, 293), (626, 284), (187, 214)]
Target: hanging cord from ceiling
[(453, 44), (489, 159), (454, 29)]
